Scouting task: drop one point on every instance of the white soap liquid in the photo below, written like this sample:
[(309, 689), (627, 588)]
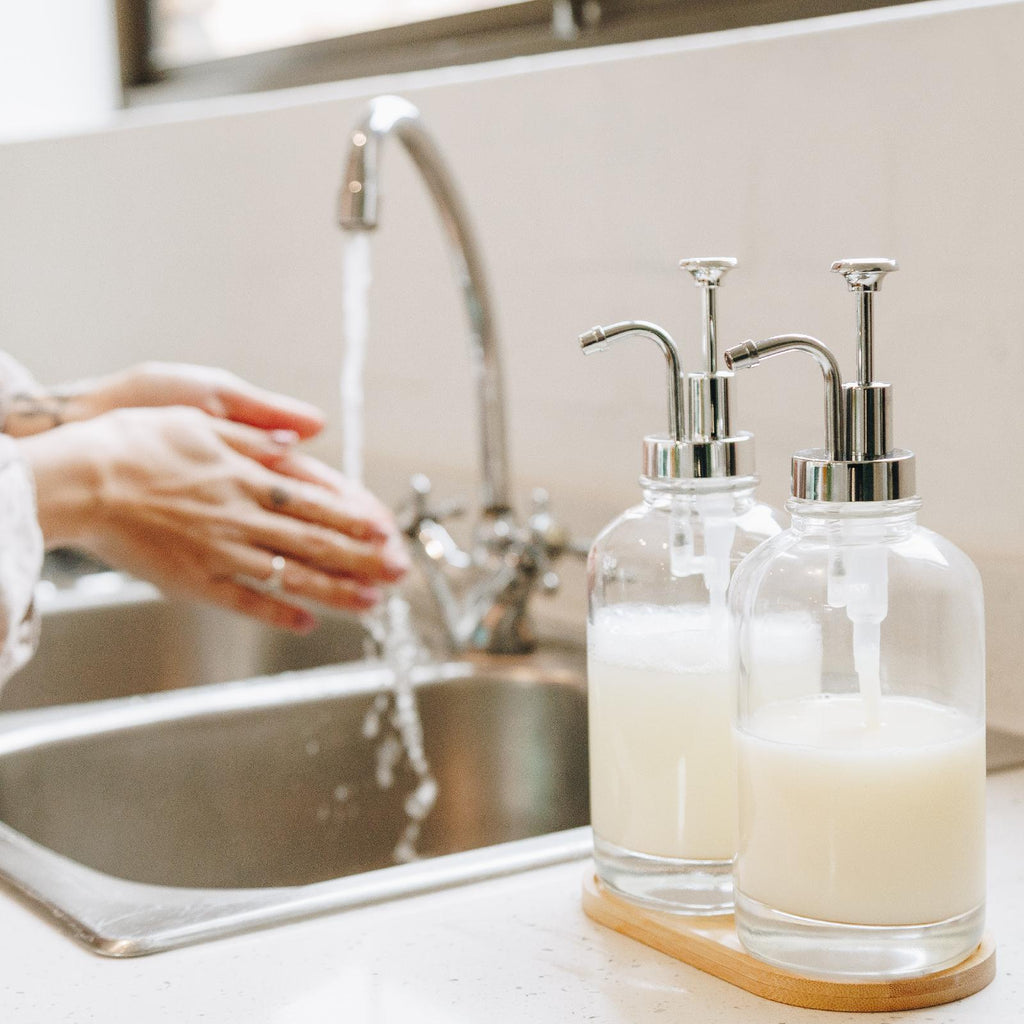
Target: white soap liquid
[(661, 695), (853, 824)]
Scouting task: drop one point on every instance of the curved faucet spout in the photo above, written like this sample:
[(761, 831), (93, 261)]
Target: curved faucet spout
[(360, 192), (358, 211)]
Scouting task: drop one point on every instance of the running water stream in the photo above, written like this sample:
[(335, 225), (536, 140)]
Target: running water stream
[(389, 625)]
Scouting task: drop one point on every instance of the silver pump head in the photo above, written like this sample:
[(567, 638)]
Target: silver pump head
[(698, 445), (858, 462), (708, 421)]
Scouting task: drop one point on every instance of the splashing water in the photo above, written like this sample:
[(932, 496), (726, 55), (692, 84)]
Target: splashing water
[(389, 626), (402, 651)]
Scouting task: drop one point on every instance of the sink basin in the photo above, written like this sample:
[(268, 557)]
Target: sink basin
[(150, 822), (106, 635)]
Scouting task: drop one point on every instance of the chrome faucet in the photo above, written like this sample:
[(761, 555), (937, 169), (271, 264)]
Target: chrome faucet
[(507, 561)]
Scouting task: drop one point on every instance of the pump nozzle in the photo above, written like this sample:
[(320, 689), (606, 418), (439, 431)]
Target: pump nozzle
[(598, 339), (750, 353)]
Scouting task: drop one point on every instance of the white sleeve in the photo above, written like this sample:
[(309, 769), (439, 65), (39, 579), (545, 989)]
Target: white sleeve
[(21, 558), (21, 541)]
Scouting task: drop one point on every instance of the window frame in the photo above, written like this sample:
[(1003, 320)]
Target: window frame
[(520, 29)]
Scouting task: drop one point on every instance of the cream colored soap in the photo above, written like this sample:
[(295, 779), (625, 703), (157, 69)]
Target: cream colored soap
[(859, 825), (662, 693)]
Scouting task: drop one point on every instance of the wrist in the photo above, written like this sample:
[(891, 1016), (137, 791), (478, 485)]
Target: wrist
[(31, 413), (68, 483)]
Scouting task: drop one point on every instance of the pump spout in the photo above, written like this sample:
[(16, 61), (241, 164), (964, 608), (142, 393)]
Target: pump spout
[(750, 353), (600, 338)]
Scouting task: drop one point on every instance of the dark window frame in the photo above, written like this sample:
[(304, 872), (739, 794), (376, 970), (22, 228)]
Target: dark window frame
[(520, 29)]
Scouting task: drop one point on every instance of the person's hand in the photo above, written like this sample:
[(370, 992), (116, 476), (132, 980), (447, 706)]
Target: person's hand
[(208, 508), (215, 391)]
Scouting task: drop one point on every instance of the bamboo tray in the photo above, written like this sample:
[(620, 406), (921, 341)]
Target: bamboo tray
[(710, 944)]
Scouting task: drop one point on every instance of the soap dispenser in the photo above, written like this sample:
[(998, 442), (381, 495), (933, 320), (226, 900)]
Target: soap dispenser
[(861, 778), (661, 656)]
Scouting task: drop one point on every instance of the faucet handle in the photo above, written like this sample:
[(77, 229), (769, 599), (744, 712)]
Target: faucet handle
[(544, 527), (418, 507), (559, 540), (554, 539), (422, 524)]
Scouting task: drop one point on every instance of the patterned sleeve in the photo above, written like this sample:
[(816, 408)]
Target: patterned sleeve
[(21, 541)]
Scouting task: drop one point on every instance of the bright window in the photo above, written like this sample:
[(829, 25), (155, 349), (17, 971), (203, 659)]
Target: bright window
[(192, 31), (180, 49)]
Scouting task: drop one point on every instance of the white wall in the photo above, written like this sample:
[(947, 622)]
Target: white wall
[(206, 233), (58, 66)]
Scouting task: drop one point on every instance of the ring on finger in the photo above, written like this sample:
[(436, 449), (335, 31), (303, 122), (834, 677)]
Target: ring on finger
[(274, 583)]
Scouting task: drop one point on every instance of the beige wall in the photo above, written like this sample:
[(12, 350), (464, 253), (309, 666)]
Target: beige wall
[(206, 233)]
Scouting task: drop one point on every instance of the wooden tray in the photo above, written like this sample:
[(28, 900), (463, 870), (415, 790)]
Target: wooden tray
[(710, 944)]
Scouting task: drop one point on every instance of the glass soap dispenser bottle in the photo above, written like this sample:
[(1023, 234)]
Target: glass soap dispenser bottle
[(661, 656), (862, 777)]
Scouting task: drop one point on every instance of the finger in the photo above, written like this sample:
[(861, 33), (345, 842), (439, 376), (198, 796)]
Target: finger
[(315, 504), (275, 450), (267, 447), (245, 403), (214, 390), (229, 593), (326, 550), (343, 505), (214, 575), (304, 467), (297, 580)]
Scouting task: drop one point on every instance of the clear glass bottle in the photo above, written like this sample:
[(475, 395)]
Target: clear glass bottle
[(861, 776), (661, 653)]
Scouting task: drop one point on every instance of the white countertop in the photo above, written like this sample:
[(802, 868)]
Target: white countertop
[(515, 949)]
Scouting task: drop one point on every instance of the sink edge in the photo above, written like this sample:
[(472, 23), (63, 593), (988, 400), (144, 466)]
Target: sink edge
[(119, 918)]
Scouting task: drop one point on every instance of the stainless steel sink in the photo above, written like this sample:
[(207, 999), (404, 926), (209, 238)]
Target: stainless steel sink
[(150, 822), (105, 635)]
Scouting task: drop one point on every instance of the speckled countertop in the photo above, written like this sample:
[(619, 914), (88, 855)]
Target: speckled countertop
[(514, 949)]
